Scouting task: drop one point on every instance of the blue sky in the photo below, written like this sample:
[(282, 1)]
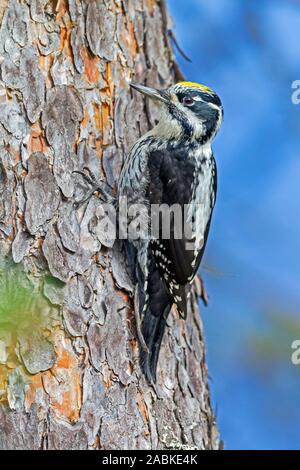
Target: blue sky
[(249, 52)]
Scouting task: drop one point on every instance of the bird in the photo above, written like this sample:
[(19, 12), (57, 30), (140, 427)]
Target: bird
[(172, 165)]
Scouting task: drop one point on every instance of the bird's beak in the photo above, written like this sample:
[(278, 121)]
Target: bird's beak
[(158, 95)]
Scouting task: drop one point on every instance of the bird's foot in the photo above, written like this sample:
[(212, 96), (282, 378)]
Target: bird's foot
[(200, 289), (96, 186)]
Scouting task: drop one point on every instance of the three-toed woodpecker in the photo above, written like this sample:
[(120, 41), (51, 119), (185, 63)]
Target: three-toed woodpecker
[(172, 164)]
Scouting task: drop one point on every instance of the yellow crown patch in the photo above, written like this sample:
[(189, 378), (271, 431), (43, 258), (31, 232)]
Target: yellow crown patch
[(197, 85)]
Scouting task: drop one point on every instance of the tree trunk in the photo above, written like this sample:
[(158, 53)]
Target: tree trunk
[(74, 382)]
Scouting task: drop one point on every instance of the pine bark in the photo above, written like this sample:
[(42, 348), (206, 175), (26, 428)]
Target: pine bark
[(65, 105)]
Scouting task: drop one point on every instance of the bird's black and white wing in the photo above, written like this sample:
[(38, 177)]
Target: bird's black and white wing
[(189, 183)]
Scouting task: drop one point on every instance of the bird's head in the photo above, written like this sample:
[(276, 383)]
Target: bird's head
[(189, 111)]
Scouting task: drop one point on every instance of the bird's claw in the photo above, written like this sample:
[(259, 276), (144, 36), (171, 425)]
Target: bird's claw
[(96, 185), (200, 289)]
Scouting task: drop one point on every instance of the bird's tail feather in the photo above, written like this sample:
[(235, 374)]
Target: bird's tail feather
[(154, 317), (154, 307), (153, 331)]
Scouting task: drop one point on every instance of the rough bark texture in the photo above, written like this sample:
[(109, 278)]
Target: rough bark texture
[(65, 104)]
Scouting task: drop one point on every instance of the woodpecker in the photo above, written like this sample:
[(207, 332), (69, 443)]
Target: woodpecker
[(171, 164)]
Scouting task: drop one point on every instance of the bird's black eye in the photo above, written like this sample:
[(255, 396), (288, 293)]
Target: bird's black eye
[(188, 101)]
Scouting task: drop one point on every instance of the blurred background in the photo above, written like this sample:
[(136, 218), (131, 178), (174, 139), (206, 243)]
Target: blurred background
[(249, 52)]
